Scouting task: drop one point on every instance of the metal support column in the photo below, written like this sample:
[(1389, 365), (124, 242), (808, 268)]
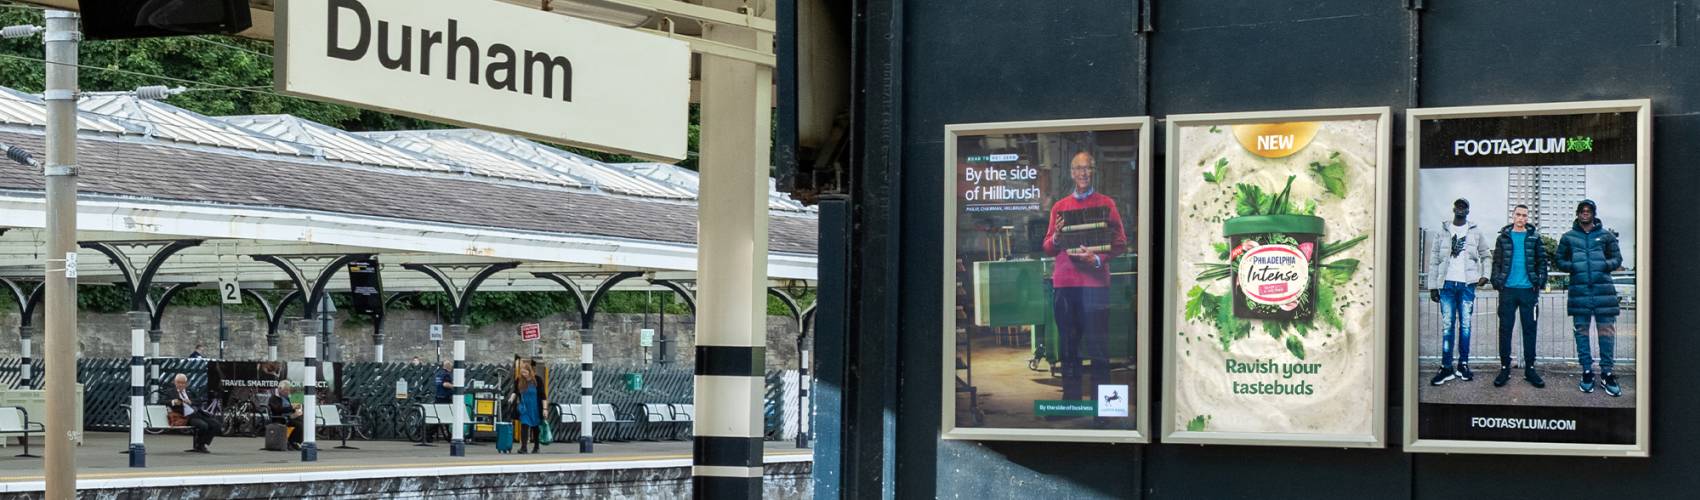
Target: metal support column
[(457, 435), (61, 306), (309, 391), (138, 388), (737, 99), (26, 371), (586, 390)]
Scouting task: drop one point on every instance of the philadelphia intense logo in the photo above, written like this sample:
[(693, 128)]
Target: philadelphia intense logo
[(1534, 145), (1274, 275)]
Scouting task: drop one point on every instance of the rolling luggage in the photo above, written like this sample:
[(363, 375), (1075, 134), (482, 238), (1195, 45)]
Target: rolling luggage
[(277, 437), (504, 437)]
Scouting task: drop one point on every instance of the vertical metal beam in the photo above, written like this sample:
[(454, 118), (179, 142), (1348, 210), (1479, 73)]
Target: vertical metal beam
[(831, 318), (309, 390), (138, 388), (61, 221), (732, 244), (587, 360), (874, 262), (457, 437)]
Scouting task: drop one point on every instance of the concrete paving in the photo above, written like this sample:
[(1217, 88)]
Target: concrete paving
[(1561, 389), (100, 457)]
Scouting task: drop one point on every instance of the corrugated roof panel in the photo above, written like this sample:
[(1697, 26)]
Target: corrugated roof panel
[(472, 158), (177, 124), (332, 143), (19, 108), (570, 164)]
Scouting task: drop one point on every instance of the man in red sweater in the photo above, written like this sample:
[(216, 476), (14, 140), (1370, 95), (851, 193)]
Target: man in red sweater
[(1081, 279)]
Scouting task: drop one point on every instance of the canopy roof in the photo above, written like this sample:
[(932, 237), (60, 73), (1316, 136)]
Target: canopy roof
[(280, 185)]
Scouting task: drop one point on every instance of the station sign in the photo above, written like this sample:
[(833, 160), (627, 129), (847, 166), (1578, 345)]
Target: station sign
[(491, 65)]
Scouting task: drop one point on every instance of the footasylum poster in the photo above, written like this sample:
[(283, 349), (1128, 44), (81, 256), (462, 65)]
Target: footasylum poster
[(1525, 329), (1042, 328), (1275, 328)]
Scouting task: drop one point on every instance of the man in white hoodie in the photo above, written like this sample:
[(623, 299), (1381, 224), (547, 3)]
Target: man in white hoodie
[(1458, 261)]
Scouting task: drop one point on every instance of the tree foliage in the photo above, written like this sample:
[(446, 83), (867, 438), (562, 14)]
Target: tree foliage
[(211, 66)]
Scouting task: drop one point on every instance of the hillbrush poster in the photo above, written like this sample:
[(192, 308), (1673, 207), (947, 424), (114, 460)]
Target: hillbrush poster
[(1277, 226), (1045, 239)]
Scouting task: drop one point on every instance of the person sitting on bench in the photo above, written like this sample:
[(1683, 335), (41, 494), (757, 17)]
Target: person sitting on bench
[(192, 406), (286, 413)]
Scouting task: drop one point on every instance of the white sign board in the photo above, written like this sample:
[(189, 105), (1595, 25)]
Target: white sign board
[(437, 333), (491, 65), (646, 337), (229, 291)]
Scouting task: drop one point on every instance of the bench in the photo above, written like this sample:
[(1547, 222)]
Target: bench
[(435, 415), (671, 426), (687, 414), (330, 417), (157, 419), (605, 414), (564, 417), (16, 420)]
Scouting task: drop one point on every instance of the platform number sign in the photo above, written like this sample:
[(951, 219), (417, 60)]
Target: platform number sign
[(229, 291)]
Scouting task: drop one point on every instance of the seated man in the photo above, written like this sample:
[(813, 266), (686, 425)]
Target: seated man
[(286, 413), (192, 406)]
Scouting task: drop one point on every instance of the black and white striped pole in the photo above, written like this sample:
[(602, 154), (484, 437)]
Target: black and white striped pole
[(138, 388), (803, 413), (457, 434), (586, 390), (26, 374), (309, 390)]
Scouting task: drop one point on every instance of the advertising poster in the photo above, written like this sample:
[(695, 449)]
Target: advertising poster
[(1276, 235), (1526, 332), (1044, 266)]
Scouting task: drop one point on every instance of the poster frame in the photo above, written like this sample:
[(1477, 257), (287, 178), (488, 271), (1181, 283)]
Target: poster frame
[(1142, 286), (1643, 259), (1376, 438)]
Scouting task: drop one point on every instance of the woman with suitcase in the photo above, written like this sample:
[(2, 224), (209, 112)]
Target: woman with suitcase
[(530, 400)]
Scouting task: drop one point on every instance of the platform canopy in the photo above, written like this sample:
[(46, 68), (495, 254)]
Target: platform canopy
[(460, 200)]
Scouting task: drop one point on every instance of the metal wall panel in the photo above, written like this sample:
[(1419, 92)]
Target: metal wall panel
[(1011, 60)]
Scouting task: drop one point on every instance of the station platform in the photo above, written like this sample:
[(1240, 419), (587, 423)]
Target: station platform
[(238, 468)]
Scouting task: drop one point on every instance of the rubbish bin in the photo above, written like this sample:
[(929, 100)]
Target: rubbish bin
[(634, 381)]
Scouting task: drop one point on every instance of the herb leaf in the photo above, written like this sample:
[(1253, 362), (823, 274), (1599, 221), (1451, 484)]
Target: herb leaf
[(1332, 174), (1197, 423), (1250, 200), (1194, 302), (1296, 347)]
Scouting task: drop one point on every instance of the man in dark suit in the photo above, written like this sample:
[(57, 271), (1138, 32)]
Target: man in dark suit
[(192, 407), (286, 413)]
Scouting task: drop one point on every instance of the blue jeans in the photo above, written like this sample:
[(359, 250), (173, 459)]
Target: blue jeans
[(1083, 317), (1457, 307), (1606, 326)]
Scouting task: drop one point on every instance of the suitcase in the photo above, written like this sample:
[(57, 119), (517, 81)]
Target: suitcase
[(277, 437), (504, 437)]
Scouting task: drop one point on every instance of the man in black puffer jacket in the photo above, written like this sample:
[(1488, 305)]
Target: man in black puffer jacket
[(1519, 273), (1589, 253)]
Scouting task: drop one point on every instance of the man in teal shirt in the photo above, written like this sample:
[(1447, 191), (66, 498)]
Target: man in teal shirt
[(1519, 273)]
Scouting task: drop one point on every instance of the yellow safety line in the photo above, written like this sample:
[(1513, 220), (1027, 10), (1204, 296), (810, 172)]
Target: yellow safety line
[(322, 468)]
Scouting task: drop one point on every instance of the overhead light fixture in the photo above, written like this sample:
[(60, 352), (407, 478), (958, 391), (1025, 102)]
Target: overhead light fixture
[(603, 11)]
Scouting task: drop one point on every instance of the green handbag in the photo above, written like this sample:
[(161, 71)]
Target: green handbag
[(546, 433)]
